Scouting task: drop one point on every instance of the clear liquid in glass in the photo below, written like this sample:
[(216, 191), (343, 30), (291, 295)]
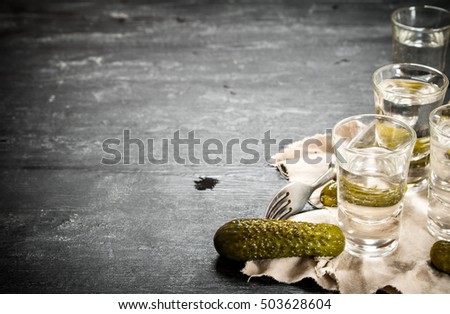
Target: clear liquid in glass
[(422, 48), (370, 202), (412, 102), (439, 185)]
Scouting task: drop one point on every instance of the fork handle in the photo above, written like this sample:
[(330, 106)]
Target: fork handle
[(329, 175)]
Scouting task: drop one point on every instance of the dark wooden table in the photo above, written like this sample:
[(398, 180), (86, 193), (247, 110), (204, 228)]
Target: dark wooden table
[(77, 74)]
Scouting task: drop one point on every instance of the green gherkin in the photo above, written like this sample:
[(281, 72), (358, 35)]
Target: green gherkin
[(440, 255), (328, 195), (252, 239)]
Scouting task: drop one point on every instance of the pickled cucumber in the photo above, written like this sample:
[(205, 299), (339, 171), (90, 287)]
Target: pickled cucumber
[(373, 197), (420, 163), (421, 146), (253, 239), (391, 137), (328, 195), (440, 255), (358, 195)]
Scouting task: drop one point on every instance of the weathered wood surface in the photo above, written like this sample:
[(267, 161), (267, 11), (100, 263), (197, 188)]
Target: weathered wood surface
[(75, 74)]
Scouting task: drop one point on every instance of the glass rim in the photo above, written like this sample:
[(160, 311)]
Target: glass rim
[(433, 124), (442, 89), (398, 151), (419, 29)]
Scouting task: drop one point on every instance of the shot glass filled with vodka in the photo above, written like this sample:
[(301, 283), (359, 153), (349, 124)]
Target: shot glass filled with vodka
[(439, 186), (420, 34), (410, 92)]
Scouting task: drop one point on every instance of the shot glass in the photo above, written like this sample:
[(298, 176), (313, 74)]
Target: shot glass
[(420, 34), (372, 154), (439, 186), (410, 92)]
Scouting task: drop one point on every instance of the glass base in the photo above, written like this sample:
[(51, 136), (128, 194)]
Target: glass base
[(368, 250), (417, 186), (436, 232)]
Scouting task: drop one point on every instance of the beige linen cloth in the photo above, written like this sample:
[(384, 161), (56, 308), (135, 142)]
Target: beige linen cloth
[(406, 270)]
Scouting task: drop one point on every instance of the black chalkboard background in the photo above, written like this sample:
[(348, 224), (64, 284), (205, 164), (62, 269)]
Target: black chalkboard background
[(76, 74)]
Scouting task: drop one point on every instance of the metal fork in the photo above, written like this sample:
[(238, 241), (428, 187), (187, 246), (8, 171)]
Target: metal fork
[(292, 199)]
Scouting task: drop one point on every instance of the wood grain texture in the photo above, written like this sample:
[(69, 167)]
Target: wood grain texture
[(77, 73)]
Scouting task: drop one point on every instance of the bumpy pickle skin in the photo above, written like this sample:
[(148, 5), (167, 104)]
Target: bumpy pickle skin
[(254, 239), (440, 255)]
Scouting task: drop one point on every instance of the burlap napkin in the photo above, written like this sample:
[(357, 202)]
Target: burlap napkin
[(407, 269)]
